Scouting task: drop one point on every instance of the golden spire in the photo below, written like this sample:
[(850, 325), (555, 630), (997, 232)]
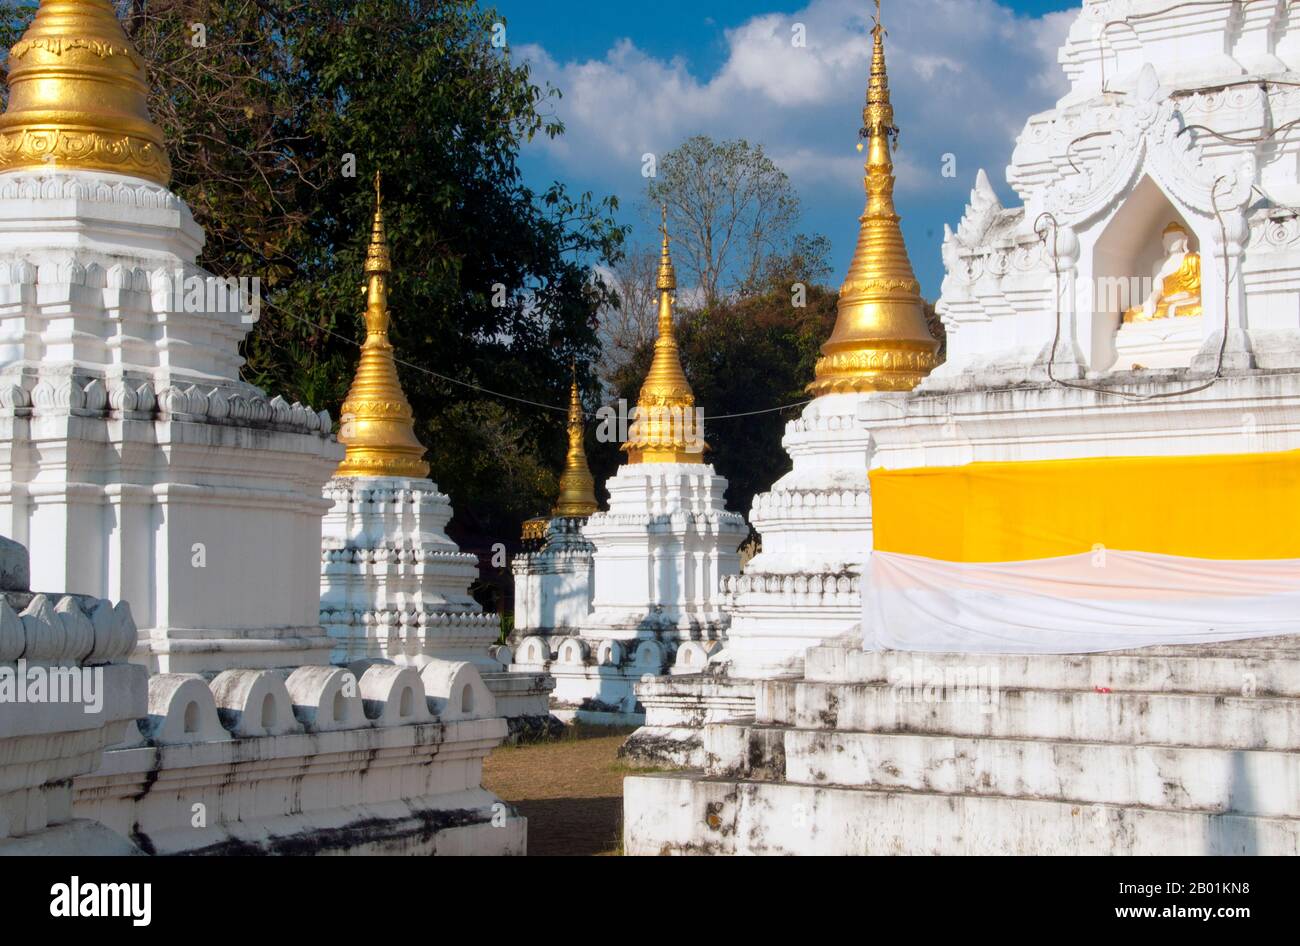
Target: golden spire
[(880, 341), (376, 423), (77, 97), (577, 488), (665, 429)]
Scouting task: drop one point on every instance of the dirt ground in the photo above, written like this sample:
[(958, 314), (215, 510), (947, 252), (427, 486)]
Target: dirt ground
[(570, 790)]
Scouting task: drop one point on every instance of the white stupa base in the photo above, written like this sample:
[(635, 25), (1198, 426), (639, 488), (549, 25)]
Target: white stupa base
[(395, 587), (678, 709), (1149, 752), (553, 586)]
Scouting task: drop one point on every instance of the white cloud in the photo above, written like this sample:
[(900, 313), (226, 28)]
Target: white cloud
[(765, 60), (965, 75)]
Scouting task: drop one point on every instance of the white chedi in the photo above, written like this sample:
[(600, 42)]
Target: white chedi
[(393, 585), (657, 558), (553, 585), (133, 459)]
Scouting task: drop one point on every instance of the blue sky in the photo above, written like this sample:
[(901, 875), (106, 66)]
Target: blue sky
[(641, 77)]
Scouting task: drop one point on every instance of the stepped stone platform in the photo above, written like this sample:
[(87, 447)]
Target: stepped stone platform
[(1162, 750)]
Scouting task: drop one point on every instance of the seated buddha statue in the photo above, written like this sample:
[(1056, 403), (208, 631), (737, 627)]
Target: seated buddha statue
[(1176, 288)]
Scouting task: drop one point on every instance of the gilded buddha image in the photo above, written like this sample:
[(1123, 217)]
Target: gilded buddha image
[(1176, 287)]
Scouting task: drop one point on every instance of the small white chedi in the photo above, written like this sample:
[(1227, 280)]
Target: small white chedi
[(1168, 164), (658, 554), (553, 578), (140, 468), (394, 586)]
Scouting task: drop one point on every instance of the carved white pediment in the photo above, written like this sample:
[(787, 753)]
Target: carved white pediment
[(1148, 137), (982, 210)]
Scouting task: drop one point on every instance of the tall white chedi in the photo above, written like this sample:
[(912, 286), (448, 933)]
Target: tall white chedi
[(803, 588), (393, 584), (660, 550), (134, 462)]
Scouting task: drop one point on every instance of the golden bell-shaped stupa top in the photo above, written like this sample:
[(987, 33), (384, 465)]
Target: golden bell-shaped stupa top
[(78, 97), (880, 341), (577, 488), (376, 422), (666, 428)]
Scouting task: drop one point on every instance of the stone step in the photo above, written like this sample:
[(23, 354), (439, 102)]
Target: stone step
[(685, 813), (1188, 779), (1260, 667), (1169, 719)]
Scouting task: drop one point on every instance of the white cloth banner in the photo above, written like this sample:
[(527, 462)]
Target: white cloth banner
[(1075, 604)]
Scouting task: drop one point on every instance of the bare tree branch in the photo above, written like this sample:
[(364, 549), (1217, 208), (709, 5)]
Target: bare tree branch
[(730, 208)]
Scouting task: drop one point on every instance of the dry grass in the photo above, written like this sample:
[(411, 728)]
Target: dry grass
[(570, 790)]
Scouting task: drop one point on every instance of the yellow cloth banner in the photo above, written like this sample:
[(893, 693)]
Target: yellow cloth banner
[(1237, 506)]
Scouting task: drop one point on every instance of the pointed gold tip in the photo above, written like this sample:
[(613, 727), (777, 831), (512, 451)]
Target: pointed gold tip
[(881, 341), (665, 429), (378, 260), (78, 97), (666, 279), (377, 424), (577, 488)]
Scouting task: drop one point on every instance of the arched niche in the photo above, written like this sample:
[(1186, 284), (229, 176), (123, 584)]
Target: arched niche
[(1125, 258)]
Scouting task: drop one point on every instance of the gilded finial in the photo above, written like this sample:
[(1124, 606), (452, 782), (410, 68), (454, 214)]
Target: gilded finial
[(376, 424), (78, 97), (577, 488), (878, 113), (881, 341), (667, 276), (666, 428), (377, 258)]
